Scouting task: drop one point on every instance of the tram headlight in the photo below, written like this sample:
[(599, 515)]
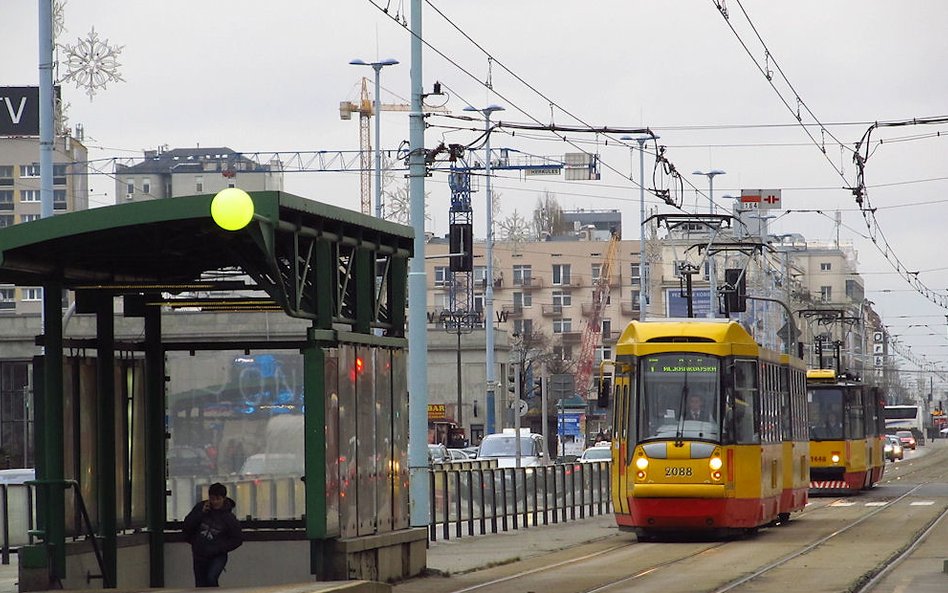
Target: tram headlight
[(715, 464), (641, 463), (835, 457)]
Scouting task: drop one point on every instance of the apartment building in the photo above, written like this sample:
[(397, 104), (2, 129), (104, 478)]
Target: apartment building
[(166, 173)]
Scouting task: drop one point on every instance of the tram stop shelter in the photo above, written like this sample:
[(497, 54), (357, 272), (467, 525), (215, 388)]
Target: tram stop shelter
[(101, 402)]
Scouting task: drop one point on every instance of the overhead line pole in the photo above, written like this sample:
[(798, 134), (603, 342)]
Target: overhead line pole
[(417, 291)]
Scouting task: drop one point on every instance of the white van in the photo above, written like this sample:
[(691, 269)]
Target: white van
[(502, 446)]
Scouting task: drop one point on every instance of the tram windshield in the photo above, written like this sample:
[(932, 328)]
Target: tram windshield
[(680, 397), (825, 410)]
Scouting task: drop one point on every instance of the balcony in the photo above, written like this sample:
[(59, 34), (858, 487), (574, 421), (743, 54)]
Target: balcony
[(570, 337), (552, 310), (498, 283), (627, 308), (446, 284), (529, 283), (512, 311)]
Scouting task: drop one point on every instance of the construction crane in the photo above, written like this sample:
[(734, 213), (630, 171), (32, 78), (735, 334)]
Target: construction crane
[(366, 110), (592, 333)]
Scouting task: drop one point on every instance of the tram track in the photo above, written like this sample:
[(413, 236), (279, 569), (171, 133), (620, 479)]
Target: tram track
[(837, 543)]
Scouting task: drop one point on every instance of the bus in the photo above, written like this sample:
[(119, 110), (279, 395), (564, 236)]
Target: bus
[(904, 417), (710, 430)]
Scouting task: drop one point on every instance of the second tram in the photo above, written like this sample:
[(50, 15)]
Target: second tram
[(846, 432), (709, 430)]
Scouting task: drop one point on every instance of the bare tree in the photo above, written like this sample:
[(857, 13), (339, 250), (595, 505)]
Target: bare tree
[(548, 217)]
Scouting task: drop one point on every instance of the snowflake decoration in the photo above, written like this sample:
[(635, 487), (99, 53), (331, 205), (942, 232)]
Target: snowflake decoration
[(59, 7), (92, 63)]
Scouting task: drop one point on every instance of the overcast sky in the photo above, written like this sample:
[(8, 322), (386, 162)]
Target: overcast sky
[(257, 76)]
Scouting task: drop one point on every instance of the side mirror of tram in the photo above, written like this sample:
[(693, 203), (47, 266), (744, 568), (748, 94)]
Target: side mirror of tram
[(605, 388)]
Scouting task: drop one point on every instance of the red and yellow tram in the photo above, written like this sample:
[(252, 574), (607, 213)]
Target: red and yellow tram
[(710, 429), (847, 428)]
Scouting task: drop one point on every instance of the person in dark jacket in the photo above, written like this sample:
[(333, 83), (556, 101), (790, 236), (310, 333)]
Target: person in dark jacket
[(213, 530)]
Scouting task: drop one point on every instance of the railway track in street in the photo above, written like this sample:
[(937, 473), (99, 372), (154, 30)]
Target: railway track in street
[(836, 544)]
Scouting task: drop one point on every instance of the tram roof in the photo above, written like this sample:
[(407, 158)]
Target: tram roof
[(173, 240), (699, 335)]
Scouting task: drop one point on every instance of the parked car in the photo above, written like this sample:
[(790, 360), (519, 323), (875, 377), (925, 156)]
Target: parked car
[(438, 454), (272, 464), (893, 448), (458, 455), (907, 438), (189, 461), (502, 446), (598, 452)]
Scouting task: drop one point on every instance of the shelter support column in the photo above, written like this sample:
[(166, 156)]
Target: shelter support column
[(49, 446), (105, 437), (314, 454), (155, 506)]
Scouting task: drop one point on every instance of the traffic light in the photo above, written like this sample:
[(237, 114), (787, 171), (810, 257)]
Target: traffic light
[(736, 298), (461, 244), (513, 378), (605, 390)]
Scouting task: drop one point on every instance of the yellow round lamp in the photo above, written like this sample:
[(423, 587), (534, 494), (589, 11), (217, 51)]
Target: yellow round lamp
[(232, 209)]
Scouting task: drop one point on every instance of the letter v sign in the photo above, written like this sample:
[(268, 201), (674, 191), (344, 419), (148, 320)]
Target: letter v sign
[(15, 117)]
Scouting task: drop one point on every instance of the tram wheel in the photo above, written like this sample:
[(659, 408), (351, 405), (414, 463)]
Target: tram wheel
[(783, 517)]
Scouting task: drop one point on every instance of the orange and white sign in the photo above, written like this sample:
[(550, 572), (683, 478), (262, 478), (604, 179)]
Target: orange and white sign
[(764, 199)]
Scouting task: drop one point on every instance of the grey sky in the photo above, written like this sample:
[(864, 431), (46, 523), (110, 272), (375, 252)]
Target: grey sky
[(269, 77)]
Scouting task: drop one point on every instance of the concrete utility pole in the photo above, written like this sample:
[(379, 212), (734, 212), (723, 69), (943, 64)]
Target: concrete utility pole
[(417, 288)]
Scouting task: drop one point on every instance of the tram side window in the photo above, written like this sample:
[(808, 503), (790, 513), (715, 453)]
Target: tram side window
[(741, 403)]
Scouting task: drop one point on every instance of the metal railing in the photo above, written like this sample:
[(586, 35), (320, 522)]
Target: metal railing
[(493, 498)]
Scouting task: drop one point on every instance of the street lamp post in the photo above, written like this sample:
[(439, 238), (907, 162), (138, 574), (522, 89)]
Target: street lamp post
[(489, 254), (712, 271), (377, 66), (643, 265)]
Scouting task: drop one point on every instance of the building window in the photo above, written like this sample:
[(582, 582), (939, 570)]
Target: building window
[(596, 271), (522, 274), (441, 275), (29, 217), (826, 266), (636, 298), (562, 326), (34, 293), (480, 274), (560, 274), (146, 186), (636, 271), (29, 195), (6, 172), (199, 184), (6, 199), (31, 170), (524, 327), (563, 352), (7, 297), (6, 220), (606, 328), (562, 298), (479, 302), (603, 353), (59, 199), (522, 299), (129, 187), (826, 293)]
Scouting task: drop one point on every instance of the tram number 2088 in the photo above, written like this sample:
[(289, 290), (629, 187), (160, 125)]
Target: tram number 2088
[(678, 472)]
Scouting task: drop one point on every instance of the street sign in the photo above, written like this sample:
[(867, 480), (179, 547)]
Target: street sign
[(524, 407), (763, 199)]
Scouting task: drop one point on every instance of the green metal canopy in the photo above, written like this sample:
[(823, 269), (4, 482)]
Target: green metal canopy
[(293, 249)]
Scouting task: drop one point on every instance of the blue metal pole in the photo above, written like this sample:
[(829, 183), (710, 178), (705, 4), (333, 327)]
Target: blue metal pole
[(417, 291), (46, 100)]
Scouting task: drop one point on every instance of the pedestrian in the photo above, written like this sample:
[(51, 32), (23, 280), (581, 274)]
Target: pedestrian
[(213, 530)]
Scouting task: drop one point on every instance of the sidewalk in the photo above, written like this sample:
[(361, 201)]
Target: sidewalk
[(469, 553)]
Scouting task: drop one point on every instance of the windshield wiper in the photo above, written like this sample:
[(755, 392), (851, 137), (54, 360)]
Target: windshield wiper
[(680, 432)]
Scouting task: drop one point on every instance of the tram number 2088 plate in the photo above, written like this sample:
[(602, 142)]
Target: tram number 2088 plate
[(678, 472)]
